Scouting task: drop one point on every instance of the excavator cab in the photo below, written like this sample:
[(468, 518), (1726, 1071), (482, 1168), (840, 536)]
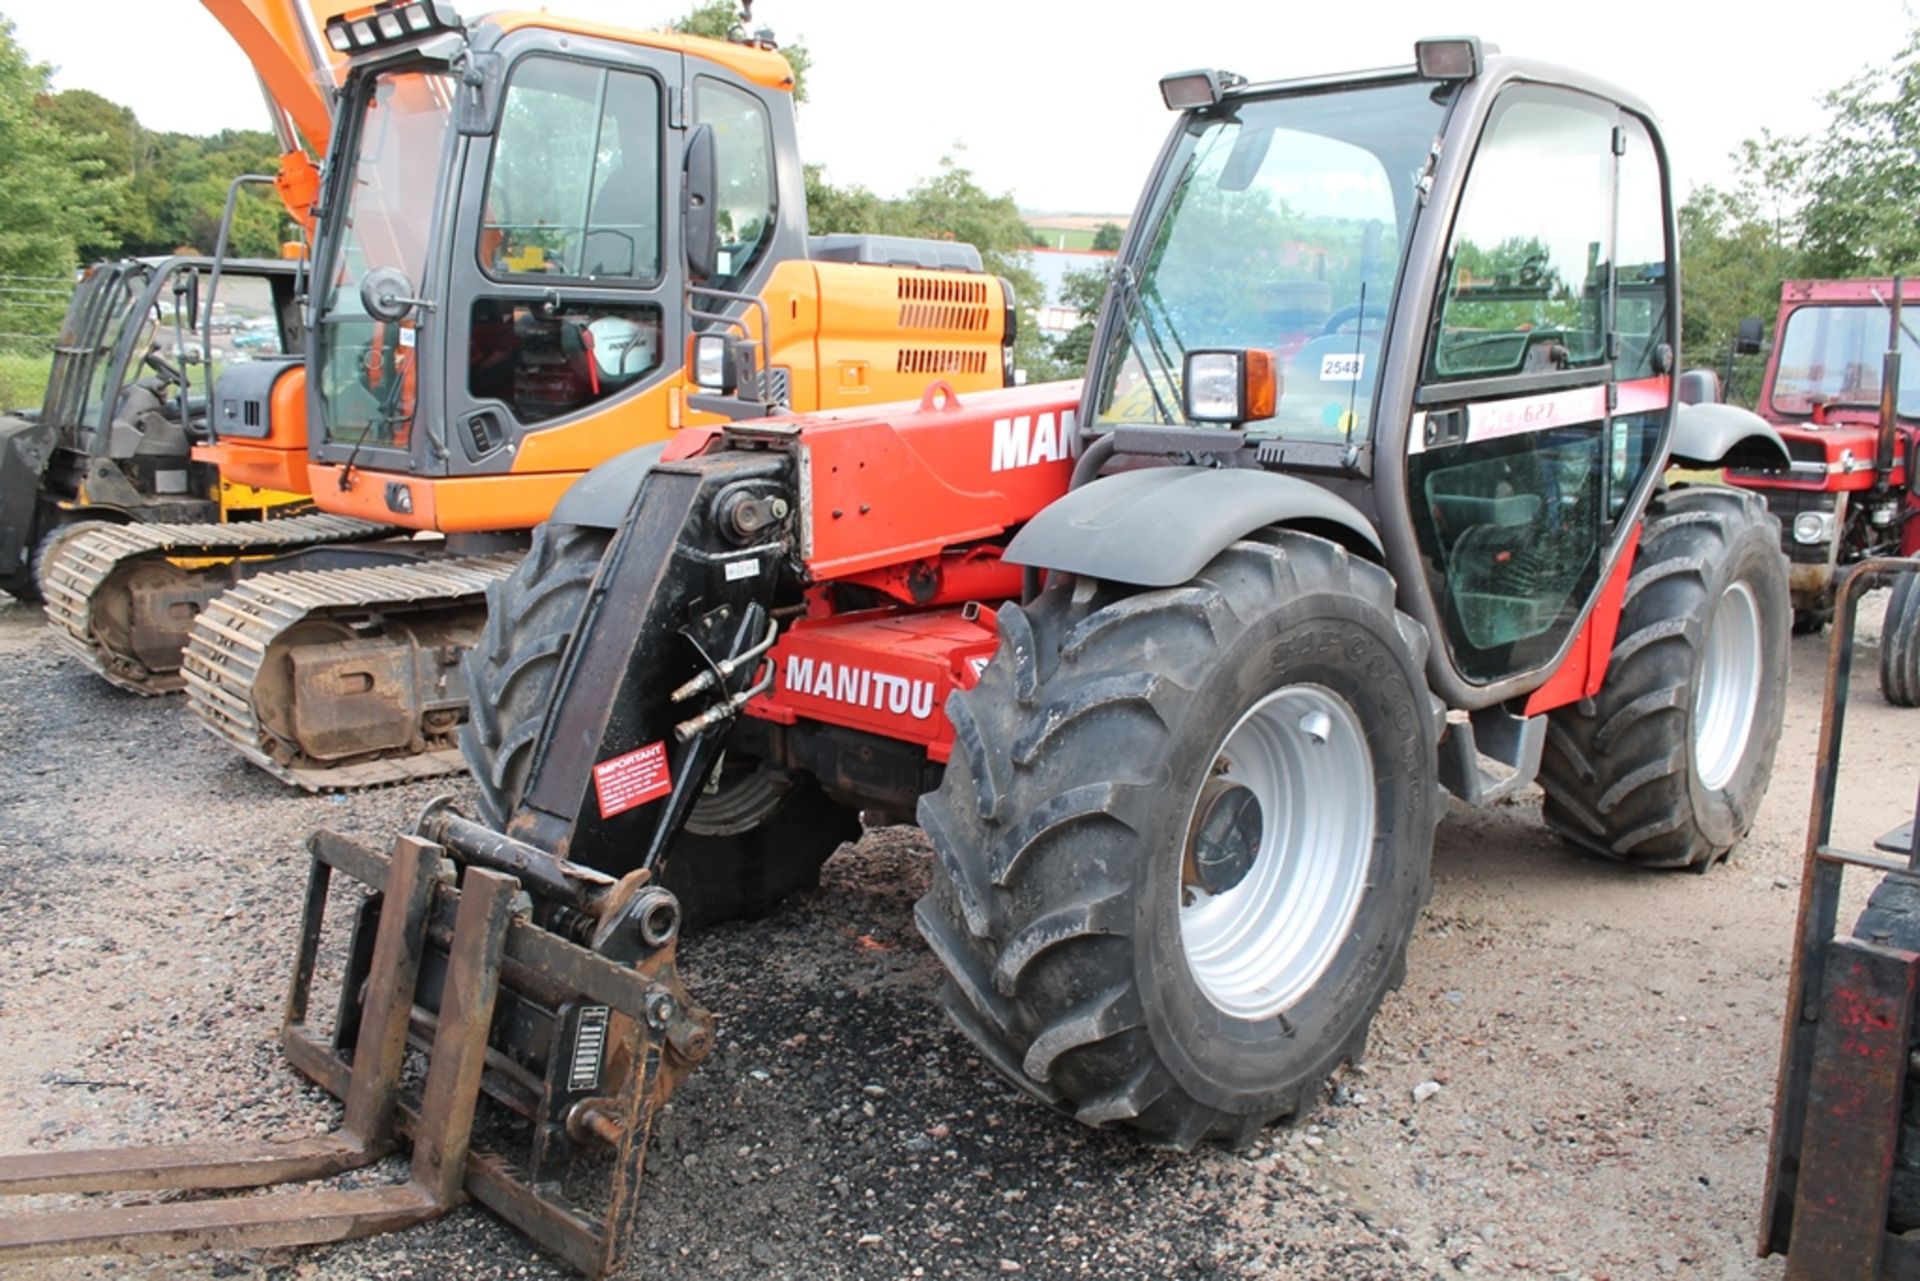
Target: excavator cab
[(501, 263)]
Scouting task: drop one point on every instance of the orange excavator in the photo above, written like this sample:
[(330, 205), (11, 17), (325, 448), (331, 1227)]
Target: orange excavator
[(524, 224)]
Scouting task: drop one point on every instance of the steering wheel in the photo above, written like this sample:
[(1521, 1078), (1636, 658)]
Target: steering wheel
[(1347, 315), (164, 367)]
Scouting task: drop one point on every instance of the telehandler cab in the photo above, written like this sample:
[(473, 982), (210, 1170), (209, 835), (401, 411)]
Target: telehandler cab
[(1362, 501)]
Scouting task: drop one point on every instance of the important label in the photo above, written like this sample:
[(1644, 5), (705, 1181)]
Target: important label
[(632, 779), (739, 569)]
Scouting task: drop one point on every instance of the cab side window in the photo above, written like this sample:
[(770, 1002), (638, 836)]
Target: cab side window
[(570, 230), (1509, 467), (575, 185), (1527, 265), (743, 151), (1643, 319)]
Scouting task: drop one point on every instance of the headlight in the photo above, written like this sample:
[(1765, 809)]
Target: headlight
[(1813, 527), (1230, 385), (1213, 387)]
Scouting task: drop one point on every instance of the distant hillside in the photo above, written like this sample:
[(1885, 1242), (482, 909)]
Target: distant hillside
[(1071, 230)]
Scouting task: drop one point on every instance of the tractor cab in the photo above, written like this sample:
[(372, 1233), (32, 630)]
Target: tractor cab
[(1317, 269)]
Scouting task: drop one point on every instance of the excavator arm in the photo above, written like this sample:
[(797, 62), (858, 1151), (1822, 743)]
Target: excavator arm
[(299, 76)]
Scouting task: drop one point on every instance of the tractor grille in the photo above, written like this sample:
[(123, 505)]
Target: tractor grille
[(944, 301), (937, 360)]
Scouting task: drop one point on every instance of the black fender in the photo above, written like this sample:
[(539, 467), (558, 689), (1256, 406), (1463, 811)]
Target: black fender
[(1156, 527), (602, 498), (25, 447), (1708, 435)]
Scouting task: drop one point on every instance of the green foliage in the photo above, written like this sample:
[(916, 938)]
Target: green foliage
[(108, 134), (165, 191), (1107, 236), (1860, 177), (846, 209), (1083, 291), (720, 20), (1835, 203), (53, 198), (1733, 256)]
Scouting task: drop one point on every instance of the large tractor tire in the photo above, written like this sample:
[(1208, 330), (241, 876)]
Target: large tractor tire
[(752, 840), (1184, 837), (1900, 643), (1892, 918), (1666, 766)]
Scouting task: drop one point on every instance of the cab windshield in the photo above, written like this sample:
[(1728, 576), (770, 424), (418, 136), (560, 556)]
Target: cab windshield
[(367, 374), (1283, 228), (1833, 355)]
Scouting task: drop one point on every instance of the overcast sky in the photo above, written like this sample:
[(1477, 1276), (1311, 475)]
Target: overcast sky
[(1057, 102)]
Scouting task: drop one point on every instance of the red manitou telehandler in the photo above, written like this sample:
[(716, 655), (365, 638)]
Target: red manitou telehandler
[(1363, 501)]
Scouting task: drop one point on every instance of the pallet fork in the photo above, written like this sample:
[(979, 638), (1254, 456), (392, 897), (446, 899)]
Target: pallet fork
[(547, 987), (1847, 1058)]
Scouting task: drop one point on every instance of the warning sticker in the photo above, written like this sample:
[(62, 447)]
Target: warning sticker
[(632, 779)]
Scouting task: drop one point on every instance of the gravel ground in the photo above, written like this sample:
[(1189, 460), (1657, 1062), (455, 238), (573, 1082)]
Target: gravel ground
[(1603, 1044)]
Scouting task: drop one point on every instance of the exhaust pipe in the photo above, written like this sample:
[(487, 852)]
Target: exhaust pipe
[(1889, 390)]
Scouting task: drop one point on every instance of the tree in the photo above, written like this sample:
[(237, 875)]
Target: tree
[(1106, 237), (1733, 256), (106, 132), (1083, 291), (947, 205), (1860, 176), (837, 209), (720, 20), (49, 201), (1835, 203)]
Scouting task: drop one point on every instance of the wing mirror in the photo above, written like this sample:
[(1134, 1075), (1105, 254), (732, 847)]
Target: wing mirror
[(186, 297), (699, 188), (386, 292)]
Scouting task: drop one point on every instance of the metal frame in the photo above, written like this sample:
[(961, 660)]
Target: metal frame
[(529, 959), (1845, 1044)]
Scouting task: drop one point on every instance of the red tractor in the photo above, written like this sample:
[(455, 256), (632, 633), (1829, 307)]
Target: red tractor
[(1842, 387)]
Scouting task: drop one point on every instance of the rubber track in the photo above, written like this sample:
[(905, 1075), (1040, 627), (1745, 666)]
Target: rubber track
[(231, 638), (78, 566)]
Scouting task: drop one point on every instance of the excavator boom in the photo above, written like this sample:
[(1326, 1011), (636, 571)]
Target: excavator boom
[(297, 72)]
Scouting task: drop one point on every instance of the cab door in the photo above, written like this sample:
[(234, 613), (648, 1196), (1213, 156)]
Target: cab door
[(1542, 402), (566, 292)]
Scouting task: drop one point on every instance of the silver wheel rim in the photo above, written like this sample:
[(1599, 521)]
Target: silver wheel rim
[(1254, 949), (1725, 701)]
